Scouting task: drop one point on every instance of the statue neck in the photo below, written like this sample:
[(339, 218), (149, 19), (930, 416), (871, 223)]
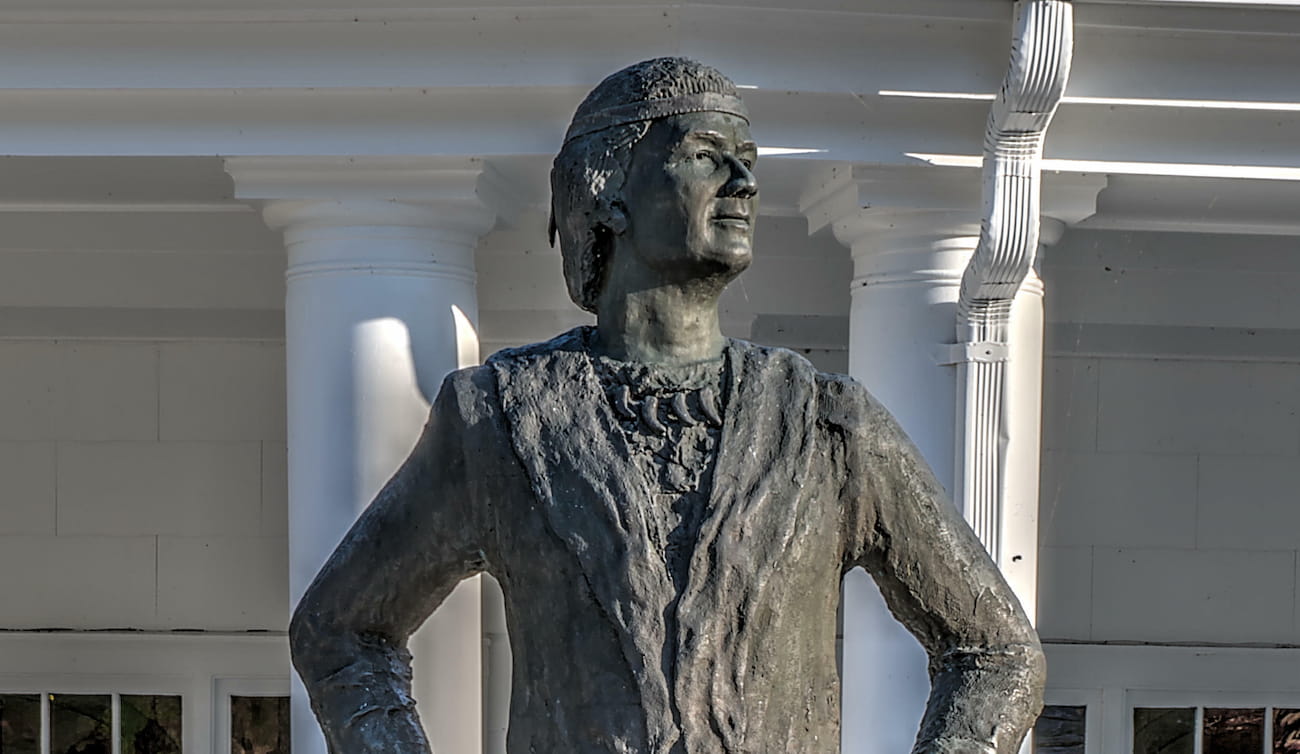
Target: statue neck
[(668, 325)]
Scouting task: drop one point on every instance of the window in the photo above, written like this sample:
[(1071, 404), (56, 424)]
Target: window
[(46, 723), (1061, 730), (250, 716), (259, 725), (20, 723), (1216, 730)]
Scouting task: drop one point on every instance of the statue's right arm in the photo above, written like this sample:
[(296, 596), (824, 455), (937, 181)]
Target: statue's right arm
[(404, 555)]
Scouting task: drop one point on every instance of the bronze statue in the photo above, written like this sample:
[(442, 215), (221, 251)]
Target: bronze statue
[(669, 512)]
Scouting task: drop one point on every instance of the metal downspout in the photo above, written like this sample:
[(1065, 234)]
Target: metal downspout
[(1040, 64)]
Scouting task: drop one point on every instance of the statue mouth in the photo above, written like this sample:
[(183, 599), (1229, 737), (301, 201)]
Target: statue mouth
[(730, 217)]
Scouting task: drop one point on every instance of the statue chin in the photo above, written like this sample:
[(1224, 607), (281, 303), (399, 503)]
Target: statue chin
[(731, 262), (722, 256)]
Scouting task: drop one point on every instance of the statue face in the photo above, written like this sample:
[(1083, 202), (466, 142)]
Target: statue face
[(690, 197)]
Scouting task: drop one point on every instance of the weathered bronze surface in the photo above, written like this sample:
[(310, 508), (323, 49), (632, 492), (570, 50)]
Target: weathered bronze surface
[(669, 512)]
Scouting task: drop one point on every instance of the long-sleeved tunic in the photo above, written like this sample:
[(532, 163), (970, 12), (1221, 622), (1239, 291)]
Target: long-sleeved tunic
[(523, 472)]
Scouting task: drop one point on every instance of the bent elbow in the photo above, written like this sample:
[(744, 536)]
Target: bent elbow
[(309, 639), (301, 629)]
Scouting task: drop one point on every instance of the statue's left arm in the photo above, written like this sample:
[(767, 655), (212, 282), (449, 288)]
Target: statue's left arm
[(986, 664)]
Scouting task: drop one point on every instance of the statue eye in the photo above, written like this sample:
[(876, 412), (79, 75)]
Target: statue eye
[(704, 154)]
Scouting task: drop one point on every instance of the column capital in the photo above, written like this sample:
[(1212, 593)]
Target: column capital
[(861, 202), (462, 196), (877, 201), (1069, 199)]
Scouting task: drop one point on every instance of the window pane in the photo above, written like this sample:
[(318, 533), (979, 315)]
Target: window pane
[(259, 724), (1286, 731), (20, 723), (1060, 730), (151, 725), (1157, 730), (81, 724), (1233, 731)]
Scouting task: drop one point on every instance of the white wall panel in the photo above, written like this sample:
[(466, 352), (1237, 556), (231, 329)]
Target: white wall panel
[(1295, 638), (1070, 404), (275, 489), (78, 391), (27, 495), (223, 583), (77, 582), (1186, 407), (126, 489), (1193, 596), (31, 376), (108, 392), (519, 279), (1065, 593), (1249, 503), (222, 391), (1248, 298), (1178, 279), (89, 486), (1118, 499), (1187, 502)]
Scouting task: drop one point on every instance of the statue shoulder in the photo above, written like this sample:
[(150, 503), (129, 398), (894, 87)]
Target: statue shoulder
[(845, 403), (473, 391), (757, 357), (510, 359), (467, 396), (841, 400)]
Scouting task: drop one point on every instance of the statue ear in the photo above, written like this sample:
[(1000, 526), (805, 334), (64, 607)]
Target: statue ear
[(614, 219)]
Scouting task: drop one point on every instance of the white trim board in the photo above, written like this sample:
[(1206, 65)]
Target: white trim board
[(1111, 679), (198, 666)]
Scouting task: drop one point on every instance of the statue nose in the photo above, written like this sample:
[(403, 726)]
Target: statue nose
[(742, 183)]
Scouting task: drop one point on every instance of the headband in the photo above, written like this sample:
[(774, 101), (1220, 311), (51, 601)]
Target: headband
[(653, 109)]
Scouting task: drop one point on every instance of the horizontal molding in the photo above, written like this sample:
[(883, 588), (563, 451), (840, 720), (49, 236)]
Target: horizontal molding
[(283, 11), (1106, 14), (1202, 205), (497, 123), (1066, 339), (57, 206), (1193, 667), (1125, 50), (520, 46), (140, 324), (1193, 16)]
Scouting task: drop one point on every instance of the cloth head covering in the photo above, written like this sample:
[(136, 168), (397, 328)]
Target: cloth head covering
[(654, 89)]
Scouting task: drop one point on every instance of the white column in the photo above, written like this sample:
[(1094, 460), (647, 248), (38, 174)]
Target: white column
[(380, 305), (912, 233), (498, 663)]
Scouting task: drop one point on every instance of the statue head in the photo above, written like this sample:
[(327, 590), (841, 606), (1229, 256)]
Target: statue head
[(589, 173)]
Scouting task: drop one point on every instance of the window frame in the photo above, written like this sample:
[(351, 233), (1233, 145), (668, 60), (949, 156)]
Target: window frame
[(223, 689), (1202, 700), (196, 666), (1112, 679), (1091, 701)]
